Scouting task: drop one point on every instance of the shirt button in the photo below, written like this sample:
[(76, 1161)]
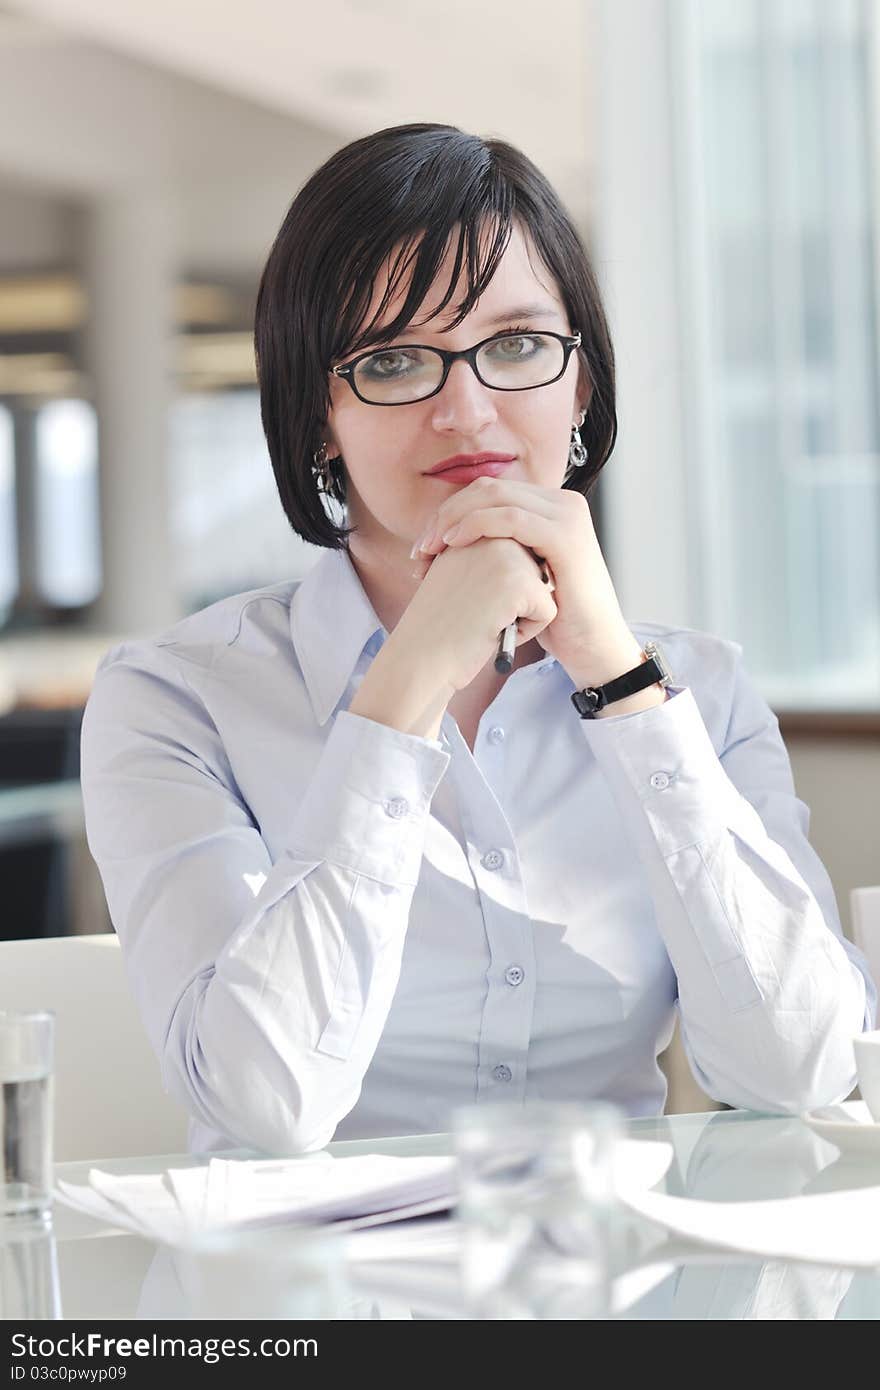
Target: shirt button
[(660, 781), (514, 975), (397, 807), (496, 734), (492, 860), (502, 1073)]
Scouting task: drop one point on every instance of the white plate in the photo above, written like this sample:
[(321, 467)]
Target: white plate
[(640, 1164), (849, 1127)]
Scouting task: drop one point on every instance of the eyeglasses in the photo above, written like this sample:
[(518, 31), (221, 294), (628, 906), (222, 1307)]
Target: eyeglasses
[(411, 372)]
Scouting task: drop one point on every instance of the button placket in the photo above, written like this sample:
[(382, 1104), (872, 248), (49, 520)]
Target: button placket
[(506, 1016)]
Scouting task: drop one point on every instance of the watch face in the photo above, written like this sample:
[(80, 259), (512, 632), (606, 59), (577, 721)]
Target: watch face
[(653, 649)]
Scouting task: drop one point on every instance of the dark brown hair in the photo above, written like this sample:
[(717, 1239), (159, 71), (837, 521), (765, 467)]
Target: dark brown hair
[(400, 196)]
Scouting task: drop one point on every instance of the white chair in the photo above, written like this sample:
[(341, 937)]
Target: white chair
[(109, 1101), (865, 911)]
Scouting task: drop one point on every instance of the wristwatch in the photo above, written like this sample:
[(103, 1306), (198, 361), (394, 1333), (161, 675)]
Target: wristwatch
[(652, 671)]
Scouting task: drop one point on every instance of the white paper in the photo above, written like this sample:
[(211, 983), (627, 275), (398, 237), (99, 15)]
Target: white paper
[(334, 1190), (363, 1190), (832, 1228)]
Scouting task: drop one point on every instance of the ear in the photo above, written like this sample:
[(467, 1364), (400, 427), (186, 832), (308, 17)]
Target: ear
[(328, 435), (584, 390)]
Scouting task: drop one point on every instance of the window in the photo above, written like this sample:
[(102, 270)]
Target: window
[(780, 229), (230, 531), (68, 543), (8, 529)]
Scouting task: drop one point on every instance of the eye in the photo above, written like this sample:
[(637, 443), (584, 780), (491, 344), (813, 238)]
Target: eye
[(517, 346), (394, 363)]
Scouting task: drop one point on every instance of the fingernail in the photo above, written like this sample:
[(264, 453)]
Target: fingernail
[(414, 552), (451, 533)]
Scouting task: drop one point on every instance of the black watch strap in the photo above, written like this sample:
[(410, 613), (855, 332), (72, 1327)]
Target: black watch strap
[(651, 671)]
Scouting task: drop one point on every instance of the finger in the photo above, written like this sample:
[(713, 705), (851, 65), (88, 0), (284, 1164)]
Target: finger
[(537, 533), (420, 566), (495, 492), (541, 616), (492, 521)]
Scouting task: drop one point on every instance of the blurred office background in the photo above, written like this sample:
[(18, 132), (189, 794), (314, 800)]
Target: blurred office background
[(721, 159)]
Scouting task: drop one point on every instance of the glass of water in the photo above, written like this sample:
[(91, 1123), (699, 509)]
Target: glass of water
[(535, 1203), (30, 1289), (273, 1272), (27, 1043)]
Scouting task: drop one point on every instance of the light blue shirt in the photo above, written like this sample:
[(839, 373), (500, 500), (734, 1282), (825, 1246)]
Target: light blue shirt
[(336, 929)]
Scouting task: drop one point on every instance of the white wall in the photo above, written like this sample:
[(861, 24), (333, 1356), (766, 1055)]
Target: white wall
[(77, 123), (840, 782)]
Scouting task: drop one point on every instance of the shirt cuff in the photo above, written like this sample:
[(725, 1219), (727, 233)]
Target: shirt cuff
[(662, 763), (367, 804)]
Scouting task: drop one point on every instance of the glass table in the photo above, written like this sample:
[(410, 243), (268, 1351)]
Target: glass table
[(106, 1274)]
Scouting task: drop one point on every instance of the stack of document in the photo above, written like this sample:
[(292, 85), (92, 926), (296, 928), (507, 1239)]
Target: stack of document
[(837, 1227), (350, 1192), (363, 1190)]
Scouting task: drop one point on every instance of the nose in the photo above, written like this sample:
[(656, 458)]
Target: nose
[(465, 405)]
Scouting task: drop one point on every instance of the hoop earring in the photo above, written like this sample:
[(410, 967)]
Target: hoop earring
[(577, 449), (321, 470)]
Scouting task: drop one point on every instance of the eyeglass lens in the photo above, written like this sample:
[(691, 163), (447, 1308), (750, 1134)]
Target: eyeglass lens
[(398, 374)]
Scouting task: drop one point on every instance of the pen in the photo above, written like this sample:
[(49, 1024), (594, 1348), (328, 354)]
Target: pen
[(507, 640), (506, 649)]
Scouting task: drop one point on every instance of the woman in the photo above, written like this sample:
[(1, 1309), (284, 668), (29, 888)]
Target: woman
[(359, 875)]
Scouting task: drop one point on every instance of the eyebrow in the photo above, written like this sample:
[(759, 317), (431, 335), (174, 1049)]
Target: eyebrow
[(519, 311), (525, 311)]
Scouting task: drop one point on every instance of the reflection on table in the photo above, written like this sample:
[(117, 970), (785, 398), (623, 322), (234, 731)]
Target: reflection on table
[(726, 1156)]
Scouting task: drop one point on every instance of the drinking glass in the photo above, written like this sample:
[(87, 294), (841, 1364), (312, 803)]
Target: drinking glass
[(536, 1196), (29, 1285), (276, 1272), (867, 1050), (26, 1058)]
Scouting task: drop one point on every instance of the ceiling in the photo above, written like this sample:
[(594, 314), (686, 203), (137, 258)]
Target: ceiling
[(231, 105), (503, 68)]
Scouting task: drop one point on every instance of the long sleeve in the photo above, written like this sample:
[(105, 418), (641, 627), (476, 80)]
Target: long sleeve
[(264, 986), (770, 993)]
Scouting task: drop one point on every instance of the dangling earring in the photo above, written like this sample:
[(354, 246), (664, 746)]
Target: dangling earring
[(577, 449), (321, 470)]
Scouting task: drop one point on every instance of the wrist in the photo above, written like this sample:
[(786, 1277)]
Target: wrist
[(634, 704), (623, 696), (606, 662), (403, 691)]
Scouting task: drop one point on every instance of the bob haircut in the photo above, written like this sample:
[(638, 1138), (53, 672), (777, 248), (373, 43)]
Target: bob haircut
[(397, 198)]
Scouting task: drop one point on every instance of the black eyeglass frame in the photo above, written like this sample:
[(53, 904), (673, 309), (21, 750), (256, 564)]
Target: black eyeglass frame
[(468, 355)]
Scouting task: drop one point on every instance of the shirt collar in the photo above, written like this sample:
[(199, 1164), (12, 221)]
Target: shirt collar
[(331, 622)]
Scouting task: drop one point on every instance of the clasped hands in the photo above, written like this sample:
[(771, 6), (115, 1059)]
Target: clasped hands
[(588, 636)]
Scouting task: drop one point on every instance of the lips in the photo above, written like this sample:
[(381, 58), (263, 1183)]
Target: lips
[(468, 474), (466, 467)]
